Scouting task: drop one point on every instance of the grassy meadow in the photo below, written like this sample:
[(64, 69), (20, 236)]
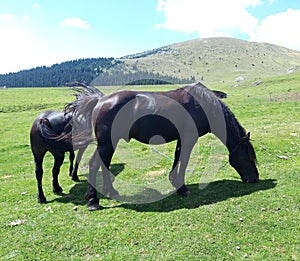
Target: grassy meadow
[(223, 219)]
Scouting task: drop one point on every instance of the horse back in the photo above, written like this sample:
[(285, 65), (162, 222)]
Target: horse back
[(143, 115)]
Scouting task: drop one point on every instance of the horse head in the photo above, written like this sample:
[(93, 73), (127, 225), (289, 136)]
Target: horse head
[(243, 159)]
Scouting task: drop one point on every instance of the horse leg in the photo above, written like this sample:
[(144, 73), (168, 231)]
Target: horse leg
[(71, 158), (91, 194), (39, 176), (173, 177), (74, 174), (58, 161), (177, 174), (106, 152)]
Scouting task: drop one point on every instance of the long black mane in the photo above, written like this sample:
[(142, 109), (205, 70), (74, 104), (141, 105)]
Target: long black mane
[(233, 124), (81, 110), (233, 127), (203, 94), (84, 95)]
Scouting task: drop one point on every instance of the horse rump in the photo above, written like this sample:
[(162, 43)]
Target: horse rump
[(60, 141)]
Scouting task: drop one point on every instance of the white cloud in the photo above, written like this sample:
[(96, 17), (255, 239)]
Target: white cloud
[(20, 49), (75, 22), (7, 18), (280, 29), (13, 44), (36, 6), (208, 18), (212, 18)]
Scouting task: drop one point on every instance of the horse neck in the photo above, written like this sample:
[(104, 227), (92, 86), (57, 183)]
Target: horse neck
[(232, 142), (215, 117), (234, 133), (226, 128)]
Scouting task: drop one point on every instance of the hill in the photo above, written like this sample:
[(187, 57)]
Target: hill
[(211, 60), (217, 60)]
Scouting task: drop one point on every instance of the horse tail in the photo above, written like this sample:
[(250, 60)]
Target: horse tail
[(57, 141)]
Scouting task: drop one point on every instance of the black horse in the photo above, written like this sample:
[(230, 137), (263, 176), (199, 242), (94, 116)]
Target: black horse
[(53, 131), (184, 115), (45, 128)]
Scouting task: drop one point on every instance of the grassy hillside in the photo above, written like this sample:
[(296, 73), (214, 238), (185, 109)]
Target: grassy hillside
[(223, 219), (212, 60), (217, 60)]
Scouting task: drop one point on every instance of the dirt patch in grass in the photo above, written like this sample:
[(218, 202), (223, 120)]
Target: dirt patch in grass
[(156, 173), (152, 175), (285, 97), (6, 177)]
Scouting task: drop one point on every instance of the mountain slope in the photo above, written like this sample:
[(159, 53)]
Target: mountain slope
[(217, 60)]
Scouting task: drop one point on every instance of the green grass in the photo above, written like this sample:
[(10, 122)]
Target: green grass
[(223, 220)]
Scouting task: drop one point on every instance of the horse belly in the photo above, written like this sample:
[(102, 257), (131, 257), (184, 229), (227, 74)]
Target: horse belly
[(154, 129)]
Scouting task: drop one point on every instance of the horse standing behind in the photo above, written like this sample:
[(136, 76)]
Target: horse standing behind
[(53, 131)]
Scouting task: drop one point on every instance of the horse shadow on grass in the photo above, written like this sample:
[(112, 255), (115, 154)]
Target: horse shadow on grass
[(77, 192), (202, 194)]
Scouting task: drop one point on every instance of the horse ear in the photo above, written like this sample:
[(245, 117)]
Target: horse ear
[(248, 136)]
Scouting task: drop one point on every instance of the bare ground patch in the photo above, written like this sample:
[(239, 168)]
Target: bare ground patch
[(285, 97), (155, 174)]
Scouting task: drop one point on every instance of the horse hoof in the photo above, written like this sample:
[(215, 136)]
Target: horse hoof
[(57, 190), (184, 194), (112, 193), (93, 204), (93, 207), (115, 195), (187, 193), (183, 191), (76, 179), (42, 200)]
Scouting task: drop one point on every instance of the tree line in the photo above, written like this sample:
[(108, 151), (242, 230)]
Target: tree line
[(97, 71), (58, 74), (118, 77)]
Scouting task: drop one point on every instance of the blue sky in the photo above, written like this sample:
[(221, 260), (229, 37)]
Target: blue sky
[(44, 32)]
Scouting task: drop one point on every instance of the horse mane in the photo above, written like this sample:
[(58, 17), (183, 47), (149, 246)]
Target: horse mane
[(232, 122), (233, 126), (81, 110), (84, 94), (205, 94)]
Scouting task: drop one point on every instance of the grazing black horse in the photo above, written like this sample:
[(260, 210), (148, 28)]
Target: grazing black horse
[(184, 115), (53, 131)]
